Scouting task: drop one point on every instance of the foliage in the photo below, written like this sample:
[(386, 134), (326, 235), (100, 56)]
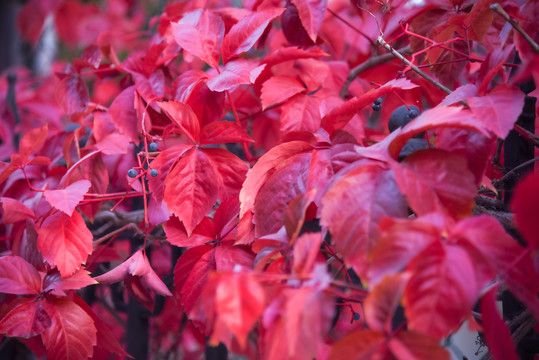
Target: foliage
[(247, 137)]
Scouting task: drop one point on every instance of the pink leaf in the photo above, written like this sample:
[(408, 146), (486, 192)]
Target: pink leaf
[(201, 33), (498, 110), (67, 199), (300, 113), (18, 276), (65, 242), (243, 35), (499, 341), (15, 211), (236, 72), (524, 204), (440, 272), (279, 88), (123, 114), (72, 94)]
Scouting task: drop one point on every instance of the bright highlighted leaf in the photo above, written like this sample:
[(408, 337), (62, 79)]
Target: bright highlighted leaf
[(65, 242), (67, 199)]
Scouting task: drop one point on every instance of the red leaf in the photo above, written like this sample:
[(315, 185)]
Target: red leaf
[(265, 167), (72, 334), (220, 132), (230, 171), (230, 257), (499, 341), (283, 54), (177, 235), (236, 302), (300, 113), (124, 115), (196, 279), (340, 116), (53, 281), (278, 88), (72, 94), (461, 93), (136, 266), (183, 117), (408, 345), (296, 324), (498, 110), (163, 163), (243, 35), (440, 272), (18, 276), (236, 72), (15, 211), (305, 251), (501, 252), (438, 117), (105, 338), (25, 320), (354, 205), (524, 205), (437, 181), (382, 302), (67, 199), (360, 345), (311, 13), (30, 20), (285, 184), (32, 140), (191, 188), (201, 33), (185, 264), (65, 242), (400, 241)]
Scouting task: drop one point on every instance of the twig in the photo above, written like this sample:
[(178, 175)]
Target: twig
[(500, 11), (527, 135), (512, 173), (367, 64), (399, 56)]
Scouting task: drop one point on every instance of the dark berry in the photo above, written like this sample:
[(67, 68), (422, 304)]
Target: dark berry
[(132, 173), (356, 316), (412, 146), (378, 101), (153, 147), (376, 107), (413, 113), (401, 116), (154, 172)]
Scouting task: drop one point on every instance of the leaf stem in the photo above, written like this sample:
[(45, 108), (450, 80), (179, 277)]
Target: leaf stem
[(500, 11)]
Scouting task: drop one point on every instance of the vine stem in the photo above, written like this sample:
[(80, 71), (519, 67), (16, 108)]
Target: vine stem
[(367, 64), (500, 11), (424, 75)]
